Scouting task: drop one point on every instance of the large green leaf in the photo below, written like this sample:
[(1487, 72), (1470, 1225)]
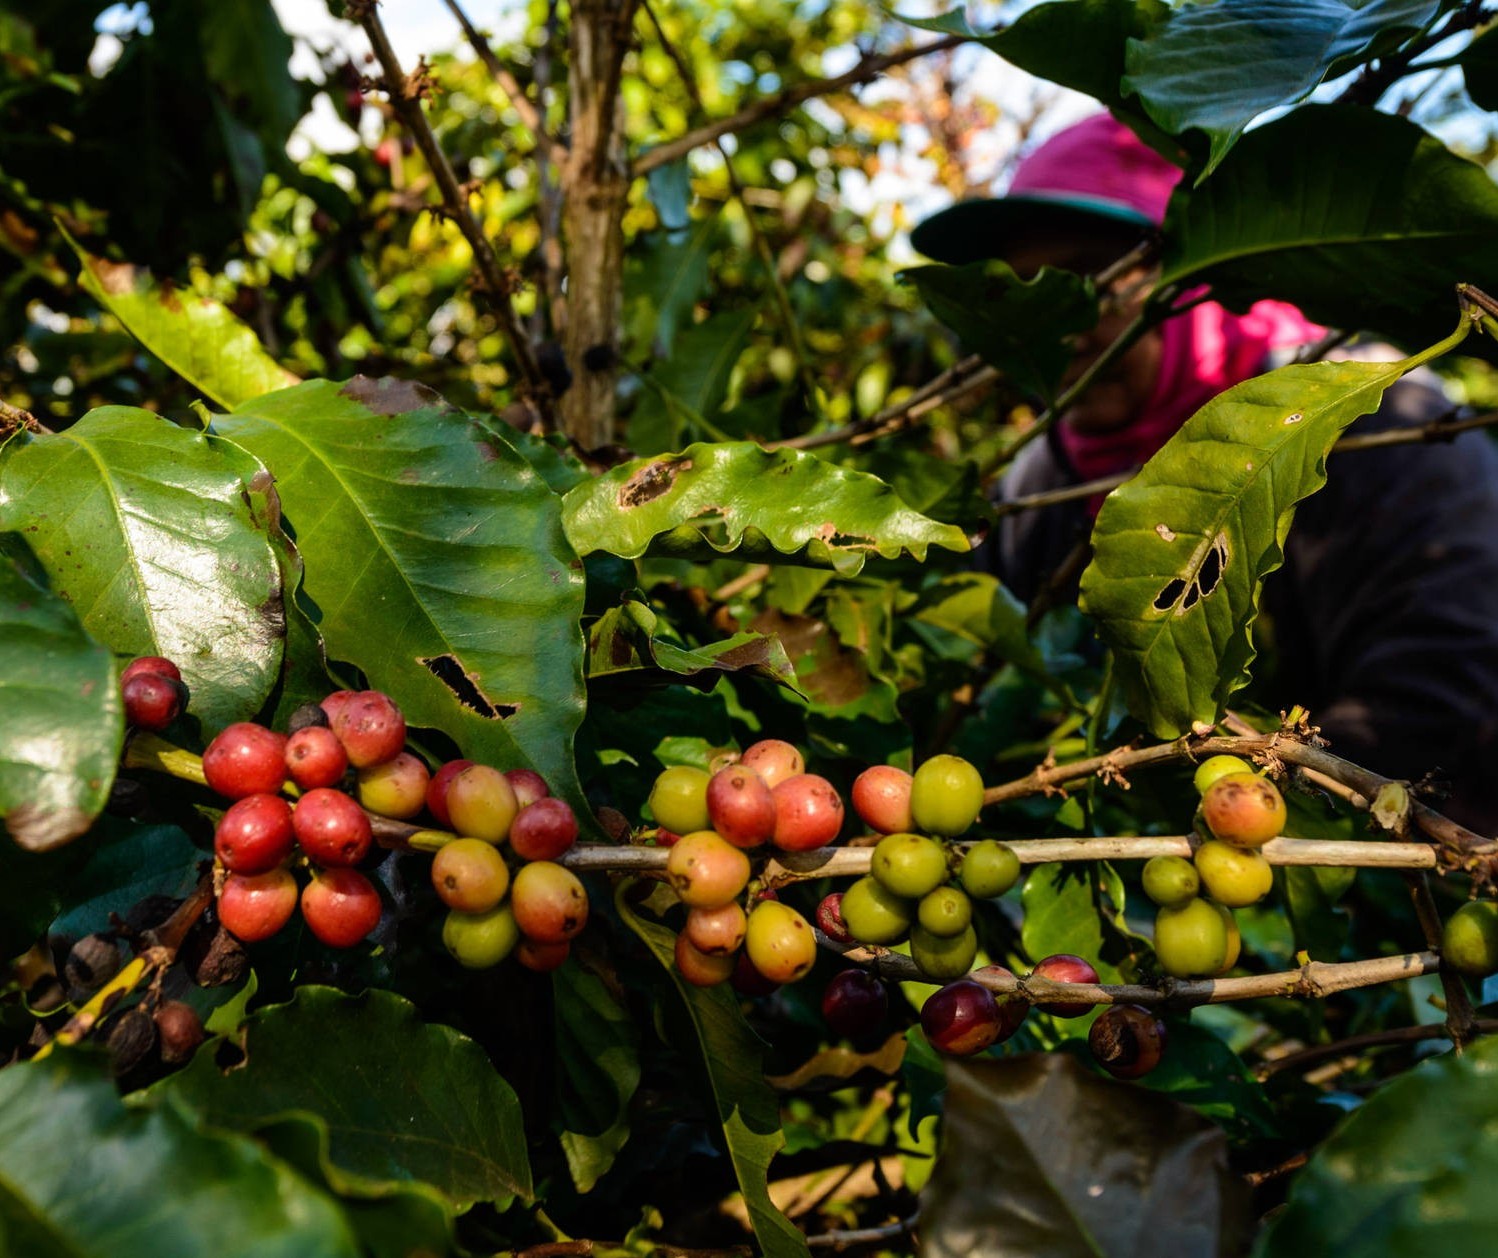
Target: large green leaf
[(734, 497), (63, 722), (401, 1101), (158, 537), (1409, 1172), (1180, 551), (598, 1070), (1017, 326), (198, 338), (732, 1056), (1219, 66), (1361, 219), (1041, 1157), (622, 645), (83, 1176), (435, 560), (1061, 915)]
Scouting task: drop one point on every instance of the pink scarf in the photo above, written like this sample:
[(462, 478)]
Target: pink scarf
[(1204, 351)]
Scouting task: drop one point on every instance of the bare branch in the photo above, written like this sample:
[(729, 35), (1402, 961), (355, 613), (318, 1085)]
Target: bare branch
[(1357, 1044), (497, 285), (867, 68), (530, 113)]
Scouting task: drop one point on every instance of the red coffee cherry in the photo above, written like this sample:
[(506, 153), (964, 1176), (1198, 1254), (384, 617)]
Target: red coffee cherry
[(528, 785), (543, 830), (370, 727), (315, 757), (808, 813), (961, 1018), (152, 700), (1063, 967), (437, 790), (157, 665), (340, 906), (741, 806), (332, 829), (253, 907), (245, 759), (254, 835)]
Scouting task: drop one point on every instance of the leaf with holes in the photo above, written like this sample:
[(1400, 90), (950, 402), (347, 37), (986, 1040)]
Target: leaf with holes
[(435, 562), (1219, 66), (199, 339), (737, 498), (1180, 551), (160, 539)]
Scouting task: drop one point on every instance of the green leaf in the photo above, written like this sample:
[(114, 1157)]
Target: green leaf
[(1087, 1165), (1201, 1071), (435, 562), (83, 1175), (621, 644), (663, 279), (1017, 326), (1061, 915), (1180, 552), (129, 863), (176, 564), (63, 721), (1409, 1172), (977, 606), (1479, 62), (734, 497), (199, 339), (1384, 221), (1219, 66), (401, 1101), (598, 1059), (690, 386), (732, 1056)]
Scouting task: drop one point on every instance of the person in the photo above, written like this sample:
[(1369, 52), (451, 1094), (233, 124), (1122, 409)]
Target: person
[(1383, 619)]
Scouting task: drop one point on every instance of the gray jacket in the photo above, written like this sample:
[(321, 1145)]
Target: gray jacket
[(1383, 621)]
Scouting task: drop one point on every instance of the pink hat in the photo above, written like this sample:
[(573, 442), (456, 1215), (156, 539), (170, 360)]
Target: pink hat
[(1094, 168)]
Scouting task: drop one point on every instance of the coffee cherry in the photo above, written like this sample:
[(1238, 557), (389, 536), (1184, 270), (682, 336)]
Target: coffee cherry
[(1013, 1008), (150, 665), (340, 906), (470, 875), (910, 865), (480, 940), (152, 700), (748, 981), (808, 812), (740, 806), (481, 803), (543, 830), (780, 942), (774, 760), (988, 869), (874, 914), (1191, 939), (1127, 1041), (1063, 967), (179, 1031), (437, 790), (717, 932), (1214, 767), (1170, 880), (854, 1004), (528, 785), (961, 1018), (550, 902), (1235, 938), (395, 788), (678, 799), (308, 716), (830, 917), (336, 703), (944, 912), (705, 870), (314, 757), (370, 727), (702, 969), (881, 798), (332, 829), (1233, 875), (245, 759), (1243, 809), (90, 963), (252, 907), (946, 795), (254, 835), (1469, 940), (942, 958), (542, 958)]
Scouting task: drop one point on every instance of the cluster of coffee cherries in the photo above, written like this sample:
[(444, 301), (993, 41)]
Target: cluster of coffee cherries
[(1196, 935), (708, 818), (153, 692), (531, 907)]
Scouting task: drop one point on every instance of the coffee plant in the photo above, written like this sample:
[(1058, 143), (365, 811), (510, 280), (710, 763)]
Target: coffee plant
[(503, 746)]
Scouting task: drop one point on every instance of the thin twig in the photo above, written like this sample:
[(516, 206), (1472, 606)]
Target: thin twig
[(497, 285), (1357, 1044), (867, 68), (1461, 1022), (551, 147), (863, 1235)]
